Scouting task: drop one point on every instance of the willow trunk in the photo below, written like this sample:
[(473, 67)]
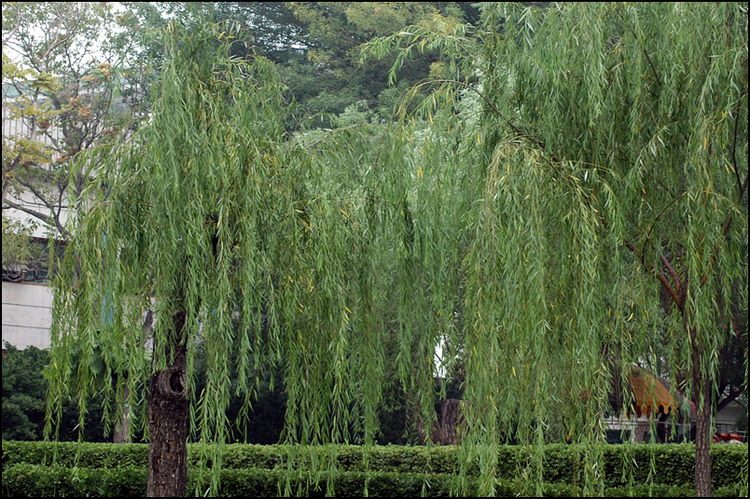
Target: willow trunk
[(122, 429), (701, 383), (168, 421)]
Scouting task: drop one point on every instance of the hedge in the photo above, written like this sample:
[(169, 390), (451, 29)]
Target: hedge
[(623, 464), (29, 480)]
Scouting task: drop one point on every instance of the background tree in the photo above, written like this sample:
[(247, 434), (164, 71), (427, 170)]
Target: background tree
[(315, 46), (21, 255), (73, 77), (24, 400), (67, 86)]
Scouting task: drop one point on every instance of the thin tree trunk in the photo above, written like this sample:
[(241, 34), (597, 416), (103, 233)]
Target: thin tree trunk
[(701, 383), (168, 422), (122, 429)]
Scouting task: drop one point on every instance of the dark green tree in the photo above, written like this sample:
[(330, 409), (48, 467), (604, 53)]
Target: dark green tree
[(24, 400), (24, 392)]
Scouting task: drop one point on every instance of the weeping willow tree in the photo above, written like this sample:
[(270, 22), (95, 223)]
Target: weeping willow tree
[(618, 166), (642, 110), (579, 158), (235, 237), (608, 226)]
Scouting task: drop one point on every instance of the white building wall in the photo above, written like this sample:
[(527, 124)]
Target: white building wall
[(16, 127), (730, 414), (27, 314), (27, 307)]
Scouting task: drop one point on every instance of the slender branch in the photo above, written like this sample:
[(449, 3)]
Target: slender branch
[(734, 146), (15, 28), (724, 232), (44, 218), (653, 224), (660, 276), (733, 394), (59, 205), (673, 273), (515, 128), (60, 39), (36, 193), (47, 219), (648, 57)]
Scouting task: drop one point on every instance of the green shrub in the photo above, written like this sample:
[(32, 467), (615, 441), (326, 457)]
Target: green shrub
[(29, 480), (624, 465), (70, 454)]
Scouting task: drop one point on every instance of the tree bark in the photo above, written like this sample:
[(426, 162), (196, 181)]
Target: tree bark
[(450, 419), (444, 427), (168, 422), (122, 429), (701, 383)]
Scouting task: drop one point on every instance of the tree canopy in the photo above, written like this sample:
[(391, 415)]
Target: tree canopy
[(527, 213)]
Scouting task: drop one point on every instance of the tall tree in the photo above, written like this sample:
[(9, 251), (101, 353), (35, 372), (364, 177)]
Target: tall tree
[(211, 212), (613, 151), (642, 108), (232, 216), (521, 216)]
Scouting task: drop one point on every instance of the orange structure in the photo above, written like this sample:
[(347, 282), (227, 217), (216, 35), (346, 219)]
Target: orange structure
[(650, 391)]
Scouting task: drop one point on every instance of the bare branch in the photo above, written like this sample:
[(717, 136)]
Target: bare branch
[(44, 218), (17, 25), (660, 276)]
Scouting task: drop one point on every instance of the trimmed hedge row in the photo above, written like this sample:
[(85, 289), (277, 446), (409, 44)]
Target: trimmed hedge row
[(673, 463), (29, 480)]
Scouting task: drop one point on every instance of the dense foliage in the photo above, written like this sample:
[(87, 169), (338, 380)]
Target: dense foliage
[(23, 394), (392, 470), (315, 46), (24, 400), (577, 164), (28, 480)]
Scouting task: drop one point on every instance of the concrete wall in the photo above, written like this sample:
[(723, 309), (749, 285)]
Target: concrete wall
[(18, 127), (27, 314)]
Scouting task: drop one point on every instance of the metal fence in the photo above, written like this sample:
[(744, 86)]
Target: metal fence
[(16, 126), (652, 431)]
